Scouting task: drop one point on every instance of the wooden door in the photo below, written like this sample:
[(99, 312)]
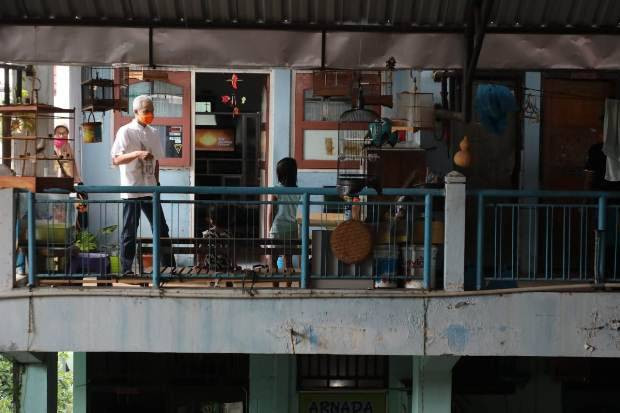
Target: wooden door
[(572, 122)]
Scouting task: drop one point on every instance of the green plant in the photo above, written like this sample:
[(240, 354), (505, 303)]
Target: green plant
[(86, 241), (111, 248), (65, 384), (6, 385)]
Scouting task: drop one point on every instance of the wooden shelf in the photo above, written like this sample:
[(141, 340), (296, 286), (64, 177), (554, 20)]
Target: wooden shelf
[(31, 138), (35, 158), (38, 108), (36, 183)]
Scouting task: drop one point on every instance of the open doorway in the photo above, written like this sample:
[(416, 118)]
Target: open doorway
[(230, 143)]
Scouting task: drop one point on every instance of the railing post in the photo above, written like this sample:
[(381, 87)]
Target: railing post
[(601, 228), (8, 237), (305, 235), (156, 239), (479, 244), (32, 241), (454, 233), (428, 221)]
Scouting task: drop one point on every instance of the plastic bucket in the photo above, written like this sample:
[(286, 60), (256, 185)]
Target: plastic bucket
[(385, 266), (413, 265), (115, 264), (91, 132)]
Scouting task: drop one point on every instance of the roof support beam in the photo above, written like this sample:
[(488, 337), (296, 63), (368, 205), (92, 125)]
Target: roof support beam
[(478, 17), (151, 58)]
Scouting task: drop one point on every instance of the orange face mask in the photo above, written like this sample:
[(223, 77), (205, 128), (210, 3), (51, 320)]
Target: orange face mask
[(147, 118)]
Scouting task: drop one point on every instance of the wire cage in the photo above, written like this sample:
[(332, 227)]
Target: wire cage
[(416, 108), (104, 88), (353, 143)]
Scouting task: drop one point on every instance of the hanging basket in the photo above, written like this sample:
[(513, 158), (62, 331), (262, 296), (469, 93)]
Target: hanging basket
[(91, 130)]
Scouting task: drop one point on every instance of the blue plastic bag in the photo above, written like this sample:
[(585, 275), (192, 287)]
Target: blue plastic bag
[(493, 103)]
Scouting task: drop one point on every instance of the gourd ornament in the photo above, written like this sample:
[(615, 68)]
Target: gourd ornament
[(463, 158)]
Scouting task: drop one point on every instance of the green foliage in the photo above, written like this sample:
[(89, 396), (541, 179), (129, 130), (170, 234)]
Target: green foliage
[(109, 229), (86, 241), (6, 385), (65, 384)]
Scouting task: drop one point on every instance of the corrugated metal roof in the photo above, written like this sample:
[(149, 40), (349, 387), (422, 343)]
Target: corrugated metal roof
[(380, 15)]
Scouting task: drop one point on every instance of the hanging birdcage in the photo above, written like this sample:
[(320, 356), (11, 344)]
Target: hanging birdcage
[(100, 92), (416, 108), (353, 143)]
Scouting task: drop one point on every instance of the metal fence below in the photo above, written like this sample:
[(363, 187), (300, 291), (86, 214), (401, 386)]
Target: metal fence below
[(547, 236)]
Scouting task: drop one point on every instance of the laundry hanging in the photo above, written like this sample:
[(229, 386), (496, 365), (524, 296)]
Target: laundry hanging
[(493, 103), (611, 140)]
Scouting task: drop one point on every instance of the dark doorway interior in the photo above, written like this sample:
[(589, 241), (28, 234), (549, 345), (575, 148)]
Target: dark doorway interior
[(166, 383), (229, 148)]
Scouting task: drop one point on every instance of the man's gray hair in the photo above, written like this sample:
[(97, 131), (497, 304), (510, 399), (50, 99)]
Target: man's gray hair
[(137, 102)]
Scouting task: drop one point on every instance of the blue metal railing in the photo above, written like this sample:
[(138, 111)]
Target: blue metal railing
[(547, 235), (307, 201)]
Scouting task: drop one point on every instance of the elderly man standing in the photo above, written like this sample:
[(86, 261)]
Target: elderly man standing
[(136, 151)]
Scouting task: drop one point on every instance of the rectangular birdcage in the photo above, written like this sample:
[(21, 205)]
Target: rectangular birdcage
[(417, 109), (101, 92)]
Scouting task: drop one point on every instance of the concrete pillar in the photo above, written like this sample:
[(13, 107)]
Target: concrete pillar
[(7, 239), (530, 174), (273, 383), (530, 167), (280, 119), (38, 386), (400, 374), (454, 233), (79, 383), (432, 384)]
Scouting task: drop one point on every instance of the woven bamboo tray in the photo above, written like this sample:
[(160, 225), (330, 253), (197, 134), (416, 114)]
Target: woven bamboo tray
[(351, 241)]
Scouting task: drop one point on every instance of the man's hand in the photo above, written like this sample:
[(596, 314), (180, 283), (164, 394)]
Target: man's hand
[(131, 156), (143, 155)]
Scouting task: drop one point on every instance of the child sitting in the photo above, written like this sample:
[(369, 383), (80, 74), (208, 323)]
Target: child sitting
[(284, 225)]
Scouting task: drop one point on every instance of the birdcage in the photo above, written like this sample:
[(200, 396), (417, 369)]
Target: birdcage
[(353, 143), (100, 92), (416, 108)]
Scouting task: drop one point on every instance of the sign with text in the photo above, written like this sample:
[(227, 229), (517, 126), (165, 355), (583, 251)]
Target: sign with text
[(342, 402), (219, 140)]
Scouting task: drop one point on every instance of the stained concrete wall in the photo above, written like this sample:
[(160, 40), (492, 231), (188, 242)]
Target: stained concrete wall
[(311, 321)]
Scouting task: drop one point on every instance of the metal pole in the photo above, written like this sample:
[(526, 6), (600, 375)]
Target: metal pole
[(6, 125), (32, 241), (305, 236), (156, 240), (428, 220), (479, 246), (602, 226)]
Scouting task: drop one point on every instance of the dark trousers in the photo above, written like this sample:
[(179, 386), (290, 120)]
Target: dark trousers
[(131, 220)]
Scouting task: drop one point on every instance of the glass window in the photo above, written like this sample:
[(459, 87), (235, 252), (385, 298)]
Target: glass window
[(167, 97), (317, 108)]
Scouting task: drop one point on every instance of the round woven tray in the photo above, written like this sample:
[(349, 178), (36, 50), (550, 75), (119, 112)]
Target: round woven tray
[(351, 241)]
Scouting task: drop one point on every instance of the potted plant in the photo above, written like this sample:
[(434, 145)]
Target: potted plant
[(88, 259)]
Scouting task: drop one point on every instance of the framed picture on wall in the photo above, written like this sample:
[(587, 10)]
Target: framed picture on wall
[(216, 140)]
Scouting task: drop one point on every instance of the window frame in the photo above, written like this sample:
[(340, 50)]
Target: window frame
[(303, 82)]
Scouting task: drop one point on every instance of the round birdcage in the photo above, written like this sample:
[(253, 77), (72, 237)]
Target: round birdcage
[(353, 143)]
